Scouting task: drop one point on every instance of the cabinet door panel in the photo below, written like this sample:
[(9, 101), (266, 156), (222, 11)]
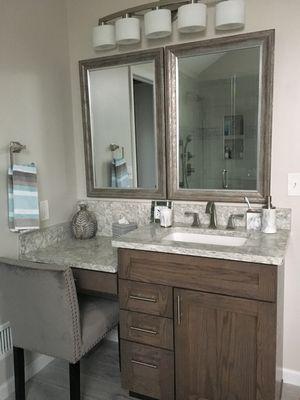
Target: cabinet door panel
[(225, 347)]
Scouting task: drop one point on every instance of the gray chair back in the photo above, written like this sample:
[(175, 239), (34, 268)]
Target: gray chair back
[(40, 301)]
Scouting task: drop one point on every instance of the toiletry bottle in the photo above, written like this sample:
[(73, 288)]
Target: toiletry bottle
[(269, 217)]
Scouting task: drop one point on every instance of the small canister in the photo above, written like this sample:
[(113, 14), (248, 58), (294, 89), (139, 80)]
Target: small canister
[(166, 215), (253, 220), (268, 224)]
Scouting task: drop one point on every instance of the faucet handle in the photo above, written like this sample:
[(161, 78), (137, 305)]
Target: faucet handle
[(196, 221), (231, 220)]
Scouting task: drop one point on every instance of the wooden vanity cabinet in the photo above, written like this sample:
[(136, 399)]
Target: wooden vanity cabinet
[(227, 343)]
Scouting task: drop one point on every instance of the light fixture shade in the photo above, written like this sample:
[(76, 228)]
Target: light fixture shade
[(158, 24), (230, 14), (128, 30), (192, 18), (104, 37)]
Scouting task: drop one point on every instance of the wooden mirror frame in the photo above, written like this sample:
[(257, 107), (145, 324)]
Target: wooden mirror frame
[(157, 56), (266, 40)]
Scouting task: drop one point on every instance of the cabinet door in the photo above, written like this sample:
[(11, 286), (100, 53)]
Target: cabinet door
[(225, 347)]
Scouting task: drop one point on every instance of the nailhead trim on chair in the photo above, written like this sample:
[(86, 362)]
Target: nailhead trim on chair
[(73, 303)]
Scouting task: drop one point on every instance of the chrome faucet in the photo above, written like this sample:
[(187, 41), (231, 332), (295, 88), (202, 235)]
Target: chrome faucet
[(196, 221), (231, 220), (211, 210)]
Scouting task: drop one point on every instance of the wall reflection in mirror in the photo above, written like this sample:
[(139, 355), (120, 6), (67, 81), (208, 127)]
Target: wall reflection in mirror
[(219, 109), (122, 122)]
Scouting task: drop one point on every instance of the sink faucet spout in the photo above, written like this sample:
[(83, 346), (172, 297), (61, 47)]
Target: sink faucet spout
[(211, 210)]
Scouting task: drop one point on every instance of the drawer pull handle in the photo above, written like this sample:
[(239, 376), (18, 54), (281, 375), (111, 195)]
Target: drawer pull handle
[(149, 299), (151, 332), (144, 364)]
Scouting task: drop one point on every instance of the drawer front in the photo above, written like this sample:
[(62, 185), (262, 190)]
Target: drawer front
[(147, 370), (95, 281), (146, 329), (146, 298), (233, 278)]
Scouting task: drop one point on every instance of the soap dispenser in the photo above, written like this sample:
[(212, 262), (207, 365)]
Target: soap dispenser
[(269, 217)]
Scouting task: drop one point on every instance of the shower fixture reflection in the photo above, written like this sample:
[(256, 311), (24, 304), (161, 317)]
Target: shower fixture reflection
[(186, 165)]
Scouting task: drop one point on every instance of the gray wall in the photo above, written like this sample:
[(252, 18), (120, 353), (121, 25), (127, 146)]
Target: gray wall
[(35, 108)]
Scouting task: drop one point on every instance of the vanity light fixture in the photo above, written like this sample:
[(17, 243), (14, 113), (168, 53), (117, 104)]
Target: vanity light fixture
[(128, 30), (104, 37), (192, 17), (230, 14), (158, 23)]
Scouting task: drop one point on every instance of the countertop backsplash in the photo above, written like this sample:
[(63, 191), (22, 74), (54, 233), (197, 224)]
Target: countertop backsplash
[(35, 240), (111, 210)]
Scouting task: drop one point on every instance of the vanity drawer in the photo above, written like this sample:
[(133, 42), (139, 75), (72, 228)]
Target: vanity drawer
[(146, 329), (147, 370), (95, 281), (233, 278), (146, 298)]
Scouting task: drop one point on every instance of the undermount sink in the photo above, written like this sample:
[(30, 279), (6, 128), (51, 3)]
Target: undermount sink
[(220, 240)]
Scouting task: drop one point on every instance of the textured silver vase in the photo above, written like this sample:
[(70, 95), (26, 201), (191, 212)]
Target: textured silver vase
[(84, 223)]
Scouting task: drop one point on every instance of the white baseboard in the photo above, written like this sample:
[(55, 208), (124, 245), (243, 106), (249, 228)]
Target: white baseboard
[(32, 369), (291, 377)]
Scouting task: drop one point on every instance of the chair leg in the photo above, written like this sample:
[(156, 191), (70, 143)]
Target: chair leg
[(19, 369), (74, 374)]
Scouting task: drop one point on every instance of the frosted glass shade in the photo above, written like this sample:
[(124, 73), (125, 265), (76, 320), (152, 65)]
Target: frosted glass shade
[(104, 37), (192, 18), (230, 14), (158, 24), (128, 30)]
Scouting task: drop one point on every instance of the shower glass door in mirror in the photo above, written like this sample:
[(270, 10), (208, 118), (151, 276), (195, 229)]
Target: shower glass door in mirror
[(123, 124), (219, 106), (219, 127)]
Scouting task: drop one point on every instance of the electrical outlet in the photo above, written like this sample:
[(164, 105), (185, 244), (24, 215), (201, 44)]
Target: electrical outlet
[(294, 184), (44, 210)]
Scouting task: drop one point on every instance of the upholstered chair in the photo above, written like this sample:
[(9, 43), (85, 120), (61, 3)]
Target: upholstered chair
[(47, 316)]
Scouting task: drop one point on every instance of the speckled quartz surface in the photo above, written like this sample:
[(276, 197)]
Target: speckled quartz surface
[(95, 254), (258, 248)]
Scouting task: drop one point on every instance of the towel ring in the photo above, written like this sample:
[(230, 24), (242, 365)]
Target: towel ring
[(15, 147), (113, 147)]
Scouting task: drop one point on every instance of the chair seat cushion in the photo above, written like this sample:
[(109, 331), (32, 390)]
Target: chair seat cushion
[(97, 317)]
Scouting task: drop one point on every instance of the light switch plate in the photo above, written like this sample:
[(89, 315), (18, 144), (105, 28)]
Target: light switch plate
[(294, 184), (44, 210)]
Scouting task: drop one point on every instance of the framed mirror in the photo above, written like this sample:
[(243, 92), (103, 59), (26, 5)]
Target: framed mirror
[(123, 124), (219, 106)]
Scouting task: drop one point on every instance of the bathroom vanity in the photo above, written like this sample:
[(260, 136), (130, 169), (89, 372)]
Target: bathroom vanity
[(198, 327), (198, 320)]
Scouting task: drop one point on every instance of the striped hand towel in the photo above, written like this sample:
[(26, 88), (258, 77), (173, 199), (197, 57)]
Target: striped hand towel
[(119, 173), (23, 205)]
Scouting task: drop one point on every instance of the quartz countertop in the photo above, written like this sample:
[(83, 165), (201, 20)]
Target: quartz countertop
[(100, 253), (259, 247), (94, 254)]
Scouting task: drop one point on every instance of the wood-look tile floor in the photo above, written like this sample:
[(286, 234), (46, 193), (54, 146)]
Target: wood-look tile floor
[(100, 379)]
